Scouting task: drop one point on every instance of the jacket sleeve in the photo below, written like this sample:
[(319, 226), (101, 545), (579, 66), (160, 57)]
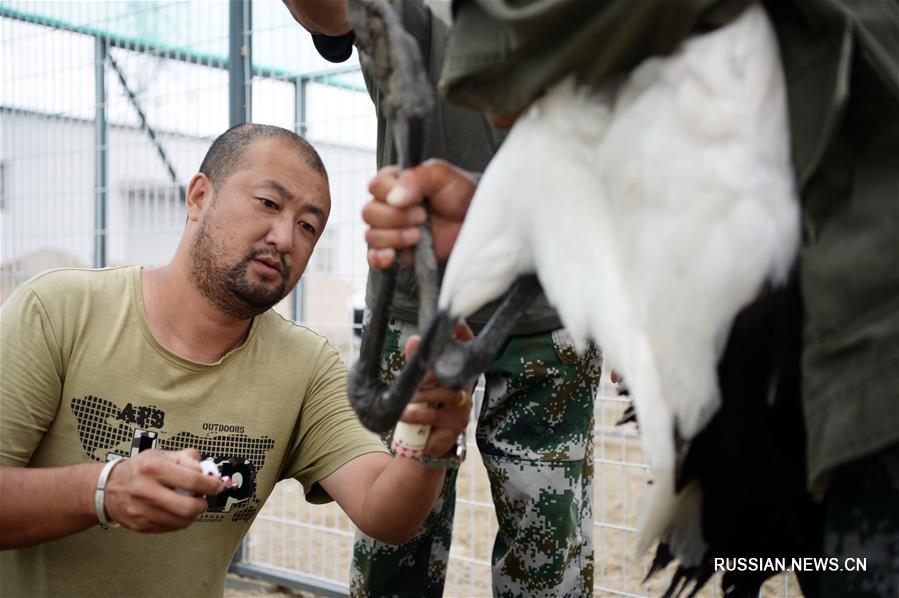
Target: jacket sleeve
[(503, 53)]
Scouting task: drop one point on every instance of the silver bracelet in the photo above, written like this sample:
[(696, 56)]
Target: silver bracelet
[(100, 495), (452, 460)]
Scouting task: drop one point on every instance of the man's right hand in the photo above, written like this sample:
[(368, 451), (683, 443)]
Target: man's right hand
[(395, 211), (141, 492)]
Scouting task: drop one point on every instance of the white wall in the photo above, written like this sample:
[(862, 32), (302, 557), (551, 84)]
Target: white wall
[(48, 196)]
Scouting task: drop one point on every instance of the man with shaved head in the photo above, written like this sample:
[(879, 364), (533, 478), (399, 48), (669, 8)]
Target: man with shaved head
[(117, 382)]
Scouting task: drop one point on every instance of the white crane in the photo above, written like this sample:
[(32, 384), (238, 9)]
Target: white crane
[(652, 210)]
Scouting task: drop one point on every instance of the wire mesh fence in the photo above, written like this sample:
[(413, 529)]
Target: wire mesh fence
[(106, 110)]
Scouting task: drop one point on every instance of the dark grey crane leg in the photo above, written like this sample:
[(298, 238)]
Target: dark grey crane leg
[(364, 382), (455, 364), (458, 363), (392, 56)]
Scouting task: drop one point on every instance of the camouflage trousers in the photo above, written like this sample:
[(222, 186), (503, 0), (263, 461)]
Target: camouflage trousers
[(862, 522), (534, 433)]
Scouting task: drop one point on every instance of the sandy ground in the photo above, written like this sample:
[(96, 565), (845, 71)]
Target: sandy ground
[(243, 587)]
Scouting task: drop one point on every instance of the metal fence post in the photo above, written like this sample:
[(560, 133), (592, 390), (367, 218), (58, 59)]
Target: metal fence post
[(300, 86), (100, 152), (240, 90), (240, 63), (241, 553)]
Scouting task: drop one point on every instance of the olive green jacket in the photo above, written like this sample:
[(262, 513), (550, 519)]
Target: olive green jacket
[(841, 60), (458, 135)]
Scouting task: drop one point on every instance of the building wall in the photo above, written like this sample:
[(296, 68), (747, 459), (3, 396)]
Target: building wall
[(48, 198)]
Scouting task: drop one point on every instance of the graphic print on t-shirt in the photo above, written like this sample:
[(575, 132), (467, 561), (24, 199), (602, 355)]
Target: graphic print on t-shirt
[(105, 430)]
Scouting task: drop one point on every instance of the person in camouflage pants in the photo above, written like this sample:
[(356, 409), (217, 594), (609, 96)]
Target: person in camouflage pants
[(534, 433)]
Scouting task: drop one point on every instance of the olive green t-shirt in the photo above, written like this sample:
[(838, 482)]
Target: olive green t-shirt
[(82, 379)]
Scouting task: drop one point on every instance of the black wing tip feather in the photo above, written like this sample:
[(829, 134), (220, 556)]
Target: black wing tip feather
[(740, 513)]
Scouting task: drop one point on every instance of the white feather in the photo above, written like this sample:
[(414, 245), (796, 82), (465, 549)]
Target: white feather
[(652, 211)]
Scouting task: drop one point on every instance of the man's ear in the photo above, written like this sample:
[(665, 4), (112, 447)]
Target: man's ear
[(200, 193)]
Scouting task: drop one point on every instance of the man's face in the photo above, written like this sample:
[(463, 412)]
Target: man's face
[(254, 238)]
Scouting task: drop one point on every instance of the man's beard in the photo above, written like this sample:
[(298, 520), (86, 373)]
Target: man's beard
[(229, 288)]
